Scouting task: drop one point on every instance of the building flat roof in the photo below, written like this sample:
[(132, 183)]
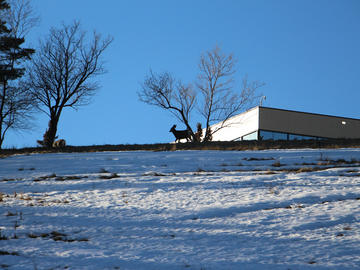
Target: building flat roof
[(309, 113)]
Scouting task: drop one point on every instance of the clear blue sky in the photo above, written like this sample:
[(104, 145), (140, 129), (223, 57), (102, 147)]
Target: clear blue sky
[(307, 52)]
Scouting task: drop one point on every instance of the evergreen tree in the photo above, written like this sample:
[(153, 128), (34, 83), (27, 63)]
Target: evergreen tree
[(15, 101), (3, 6)]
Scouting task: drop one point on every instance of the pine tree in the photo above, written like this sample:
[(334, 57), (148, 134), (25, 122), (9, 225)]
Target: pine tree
[(3, 6), (15, 101)]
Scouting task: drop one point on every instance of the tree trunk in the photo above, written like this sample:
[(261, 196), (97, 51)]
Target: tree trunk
[(1, 141), (193, 139), (2, 105), (50, 134)]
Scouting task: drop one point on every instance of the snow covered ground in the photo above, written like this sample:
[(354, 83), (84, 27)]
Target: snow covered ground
[(275, 209)]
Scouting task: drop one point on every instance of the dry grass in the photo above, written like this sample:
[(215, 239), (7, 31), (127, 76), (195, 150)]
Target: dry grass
[(111, 176), (70, 177), (4, 253), (277, 164), (57, 236), (46, 177), (234, 146), (270, 172), (308, 169), (257, 159)]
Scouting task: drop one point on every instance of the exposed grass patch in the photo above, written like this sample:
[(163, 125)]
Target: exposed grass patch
[(300, 206), (14, 253), (24, 197), (23, 169), (277, 164), (340, 161), (324, 163), (10, 214), (154, 174), (111, 176), (269, 172), (296, 170), (46, 177), (257, 159), (229, 146), (306, 164), (59, 178), (31, 235), (57, 236), (230, 165), (11, 179), (352, 171), (308, 169), (171, 236), (70, 177)]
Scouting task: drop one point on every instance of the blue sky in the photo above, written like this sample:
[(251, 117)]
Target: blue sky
[(307, 52)]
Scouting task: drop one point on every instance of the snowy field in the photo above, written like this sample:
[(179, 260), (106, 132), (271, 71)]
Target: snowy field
[(275, 209)]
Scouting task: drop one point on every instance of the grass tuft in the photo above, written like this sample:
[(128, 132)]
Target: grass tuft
[(14, 253), (111, 176), (277, 164)]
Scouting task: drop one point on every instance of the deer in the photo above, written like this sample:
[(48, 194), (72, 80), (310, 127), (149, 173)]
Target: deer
[(59, 143), (180, 134)]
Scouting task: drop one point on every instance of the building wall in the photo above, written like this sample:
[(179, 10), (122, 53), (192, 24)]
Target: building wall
[(308, 124), (238, 126)]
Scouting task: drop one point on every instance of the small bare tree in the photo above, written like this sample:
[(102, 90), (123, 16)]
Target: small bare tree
[(214, 95), (163, 91), (63, 71), (216, 83)]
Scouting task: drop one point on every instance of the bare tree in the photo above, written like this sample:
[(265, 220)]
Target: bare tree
[(216, 83), (63, 72), (214, 95), (16, 104), (21, 17), (163, 91)]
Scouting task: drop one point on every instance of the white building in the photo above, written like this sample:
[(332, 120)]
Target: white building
[(263, 123)]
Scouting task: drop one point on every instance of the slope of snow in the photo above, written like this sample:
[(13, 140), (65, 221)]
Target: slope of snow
[(181, 210)]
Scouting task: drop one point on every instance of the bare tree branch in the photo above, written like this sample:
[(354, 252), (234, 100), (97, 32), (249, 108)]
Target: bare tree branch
[(163, 91), (21, 17), (215, 83)]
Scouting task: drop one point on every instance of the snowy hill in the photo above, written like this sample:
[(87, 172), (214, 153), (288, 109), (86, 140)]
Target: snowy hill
[(273, 209)]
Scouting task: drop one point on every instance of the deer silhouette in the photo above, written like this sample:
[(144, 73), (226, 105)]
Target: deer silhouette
[(180, 134)]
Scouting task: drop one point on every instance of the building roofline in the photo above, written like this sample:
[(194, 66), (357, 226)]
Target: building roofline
[(236, 115), (286, 110), (308, 113)]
